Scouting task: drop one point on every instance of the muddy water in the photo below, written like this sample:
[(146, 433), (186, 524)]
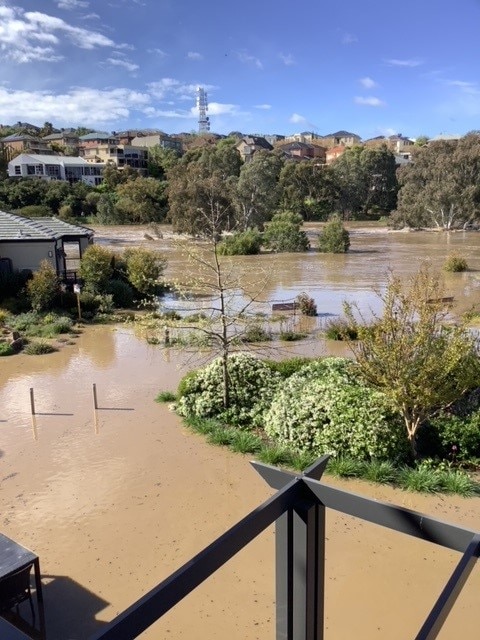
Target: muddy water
[(115, 502)]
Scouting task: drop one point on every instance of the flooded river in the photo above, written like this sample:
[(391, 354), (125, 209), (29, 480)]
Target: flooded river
[(114, 503)]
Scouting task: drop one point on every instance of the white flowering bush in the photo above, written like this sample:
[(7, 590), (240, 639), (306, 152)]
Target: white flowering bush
[(325, 408), (252, 386)]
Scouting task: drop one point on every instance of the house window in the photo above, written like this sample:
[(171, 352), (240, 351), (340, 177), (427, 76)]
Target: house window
[(52, 170), (18, 170), (39, 169), (30, 170)]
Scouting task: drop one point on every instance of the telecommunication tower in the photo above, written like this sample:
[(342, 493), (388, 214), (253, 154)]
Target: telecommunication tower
[(202, 106)]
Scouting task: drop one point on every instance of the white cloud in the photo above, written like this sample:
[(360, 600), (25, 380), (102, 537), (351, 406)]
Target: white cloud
[(349, 38), (72, 107), (120, 62), (91, 16), (219, 109), (296, 118), (72, 4), (249, 59), (367, 82), (287, 59), (412, 62), (194, 55), (470, 88), (168, 87), (369, 101), (21, 31), (263, 106), (158, 52)]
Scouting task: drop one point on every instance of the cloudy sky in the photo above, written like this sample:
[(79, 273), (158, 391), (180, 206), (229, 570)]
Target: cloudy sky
[(269, 66)]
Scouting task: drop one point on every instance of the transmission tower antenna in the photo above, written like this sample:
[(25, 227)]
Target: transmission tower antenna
[(202, 106)]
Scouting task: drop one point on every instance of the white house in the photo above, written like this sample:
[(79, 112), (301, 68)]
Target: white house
[(64, 168)]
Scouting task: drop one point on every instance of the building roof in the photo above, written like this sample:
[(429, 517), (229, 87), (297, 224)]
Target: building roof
[(13, 227), (342, 134), (16, 137), (40, 158), (60, 136), (257, 141), (98, 135)]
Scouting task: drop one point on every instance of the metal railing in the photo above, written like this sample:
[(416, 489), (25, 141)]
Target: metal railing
[(298, 508)]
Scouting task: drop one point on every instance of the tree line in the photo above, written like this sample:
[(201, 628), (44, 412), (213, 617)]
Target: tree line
[(438, 188)]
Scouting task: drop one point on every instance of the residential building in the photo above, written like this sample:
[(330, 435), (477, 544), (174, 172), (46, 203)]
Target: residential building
[(340, 138), (104, 147), (273, 138), (15, 144), (158, 139), (304, 150), (26, 242), (334, 152), (396, 143), (46, 167), (304, 136), (250, 144), (65, 139)]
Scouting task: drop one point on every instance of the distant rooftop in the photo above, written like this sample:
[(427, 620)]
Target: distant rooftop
[(98, 135)]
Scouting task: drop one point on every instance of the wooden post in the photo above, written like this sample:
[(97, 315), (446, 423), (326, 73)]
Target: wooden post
[(32, 401), (95, 402)]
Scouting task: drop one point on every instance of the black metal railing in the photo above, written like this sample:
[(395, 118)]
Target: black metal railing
[(298, 509)]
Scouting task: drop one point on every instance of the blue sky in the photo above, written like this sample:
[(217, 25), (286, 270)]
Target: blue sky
[(374, 67)]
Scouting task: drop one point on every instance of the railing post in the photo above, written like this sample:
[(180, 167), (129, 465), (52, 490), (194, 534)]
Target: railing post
[(300, 572)]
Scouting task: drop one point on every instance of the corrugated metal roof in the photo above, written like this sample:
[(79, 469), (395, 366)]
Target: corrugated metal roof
[(13, 227)]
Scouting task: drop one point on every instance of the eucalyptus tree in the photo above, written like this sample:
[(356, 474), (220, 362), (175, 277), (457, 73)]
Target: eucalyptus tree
[(441, 187), (366, 181), (257, 191)]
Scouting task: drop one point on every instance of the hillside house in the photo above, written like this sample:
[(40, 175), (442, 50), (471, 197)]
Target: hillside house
[(64, 168)]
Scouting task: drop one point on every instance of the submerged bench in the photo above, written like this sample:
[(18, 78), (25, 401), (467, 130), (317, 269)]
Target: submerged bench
[(285, 306)]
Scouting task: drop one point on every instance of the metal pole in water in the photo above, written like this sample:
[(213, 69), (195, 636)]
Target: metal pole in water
[(32, 401), (95, 402)]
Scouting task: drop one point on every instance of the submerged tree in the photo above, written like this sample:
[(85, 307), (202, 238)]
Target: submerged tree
[(411, 354)]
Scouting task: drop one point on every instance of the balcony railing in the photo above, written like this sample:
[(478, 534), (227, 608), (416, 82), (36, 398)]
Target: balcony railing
[(298, 509)]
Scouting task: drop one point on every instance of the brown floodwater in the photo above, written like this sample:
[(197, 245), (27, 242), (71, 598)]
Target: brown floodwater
[(114, 503)]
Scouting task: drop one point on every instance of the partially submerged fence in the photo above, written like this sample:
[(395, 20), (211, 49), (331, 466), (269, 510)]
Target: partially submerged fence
[(298, 509)]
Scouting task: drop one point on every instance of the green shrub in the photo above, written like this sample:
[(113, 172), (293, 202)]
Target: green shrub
[(340, 329), (89, 302), (460, 432), (455, 263), (246, 243), (344, 467), (26, 322), (381, 471), (34, 211), (288, 367), (283, 233), (6, 349), (144, 269), (194, 317), (325, 408), (256, 333), (306, 305), (121, 292), (4, 315), (420, 479), (457, 481), (221, 436), (275, 455), (43, 287), (334, 237), (96, 268), (166, 396), (252, 384), (245, 442), (291, 336), (39, 347)]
